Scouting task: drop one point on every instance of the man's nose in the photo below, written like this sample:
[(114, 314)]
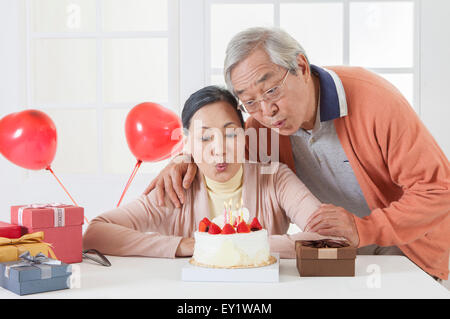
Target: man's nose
[(268, 109)]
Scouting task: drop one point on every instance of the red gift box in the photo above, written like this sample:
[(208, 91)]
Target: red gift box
[(61, 224), (10, 231)]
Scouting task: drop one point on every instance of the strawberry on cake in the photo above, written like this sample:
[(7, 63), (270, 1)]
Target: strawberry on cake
[(234, 245)]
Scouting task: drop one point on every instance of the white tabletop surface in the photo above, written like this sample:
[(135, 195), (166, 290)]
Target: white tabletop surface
[(140, 277)]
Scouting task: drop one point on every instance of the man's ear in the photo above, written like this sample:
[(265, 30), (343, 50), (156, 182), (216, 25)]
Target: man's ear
[(303, 65)]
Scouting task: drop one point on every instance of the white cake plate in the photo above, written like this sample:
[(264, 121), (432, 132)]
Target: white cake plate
[(268, 273)]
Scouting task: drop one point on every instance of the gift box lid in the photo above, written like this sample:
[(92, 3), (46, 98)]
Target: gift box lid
[(28, 273), (47, 216), (306, 252)]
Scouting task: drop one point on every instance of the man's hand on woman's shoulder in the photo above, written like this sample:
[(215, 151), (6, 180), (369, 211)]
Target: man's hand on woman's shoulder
[(179, 173)]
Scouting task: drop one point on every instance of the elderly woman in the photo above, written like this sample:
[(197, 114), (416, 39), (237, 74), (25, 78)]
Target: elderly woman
[(216, 142)]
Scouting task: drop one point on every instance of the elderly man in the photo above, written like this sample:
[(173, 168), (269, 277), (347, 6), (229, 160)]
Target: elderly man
[(352, 139)]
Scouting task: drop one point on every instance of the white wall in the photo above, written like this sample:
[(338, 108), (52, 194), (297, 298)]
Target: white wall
[(12, 94), (435, 70)]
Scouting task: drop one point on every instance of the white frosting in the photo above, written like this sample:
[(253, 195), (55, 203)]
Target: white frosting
[(240, 249)]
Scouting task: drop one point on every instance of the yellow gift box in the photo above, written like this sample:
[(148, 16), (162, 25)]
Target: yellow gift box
[(10, 249)]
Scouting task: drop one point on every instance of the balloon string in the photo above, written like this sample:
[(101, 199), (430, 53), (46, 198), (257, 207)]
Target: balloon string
[(73, 201), (136, 167)]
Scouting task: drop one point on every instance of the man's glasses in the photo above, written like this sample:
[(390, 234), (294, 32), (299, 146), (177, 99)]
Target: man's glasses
[(271, 95)]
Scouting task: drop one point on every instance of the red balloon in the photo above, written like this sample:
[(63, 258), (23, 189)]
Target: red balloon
[(153, 132), (28, 139)]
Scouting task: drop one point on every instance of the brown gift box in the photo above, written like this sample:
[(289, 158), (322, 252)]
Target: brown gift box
[(325, 261)]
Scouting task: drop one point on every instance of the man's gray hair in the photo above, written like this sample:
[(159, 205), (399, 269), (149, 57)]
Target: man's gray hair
[(278, 44)]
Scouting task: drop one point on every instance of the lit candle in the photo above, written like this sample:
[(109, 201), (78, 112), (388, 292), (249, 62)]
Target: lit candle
[(237, 213), (224, 213), (230, 213), (241, 209)]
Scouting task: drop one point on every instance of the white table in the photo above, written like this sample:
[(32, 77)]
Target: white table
[(139, 277)]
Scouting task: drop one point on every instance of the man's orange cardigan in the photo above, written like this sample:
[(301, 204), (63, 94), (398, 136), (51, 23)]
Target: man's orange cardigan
[(403, 174)]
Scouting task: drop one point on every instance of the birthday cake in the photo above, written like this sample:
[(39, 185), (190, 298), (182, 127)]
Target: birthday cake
[(231, 243)]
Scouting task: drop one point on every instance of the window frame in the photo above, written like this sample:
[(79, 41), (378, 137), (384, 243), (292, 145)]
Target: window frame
[(414, 70), (172, 35)]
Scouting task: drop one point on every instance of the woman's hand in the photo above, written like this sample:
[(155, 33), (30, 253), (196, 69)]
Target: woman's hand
[(185, 248), (179, 173)]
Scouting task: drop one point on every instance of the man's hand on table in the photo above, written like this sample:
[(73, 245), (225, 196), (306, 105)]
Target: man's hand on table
[(179, 173), (330, 220), (185, 248)]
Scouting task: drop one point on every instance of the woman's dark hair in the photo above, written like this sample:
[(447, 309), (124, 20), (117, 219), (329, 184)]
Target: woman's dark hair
[(207, 95)]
